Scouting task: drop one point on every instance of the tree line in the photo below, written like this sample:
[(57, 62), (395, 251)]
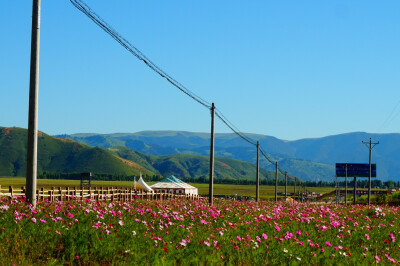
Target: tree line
[(361, 183)]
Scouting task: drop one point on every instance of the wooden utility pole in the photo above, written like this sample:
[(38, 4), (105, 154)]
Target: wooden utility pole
[(258, 172), (337, 194), (211, 184), (345, 195), (276, 181), (31, 165), (355, 190), (285, 185), (370, 145)]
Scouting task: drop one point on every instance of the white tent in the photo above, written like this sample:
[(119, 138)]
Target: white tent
[(141, 185), (174, 185)]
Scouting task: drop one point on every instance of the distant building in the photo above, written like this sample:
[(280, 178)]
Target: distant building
[(141, 185), (175, 186)]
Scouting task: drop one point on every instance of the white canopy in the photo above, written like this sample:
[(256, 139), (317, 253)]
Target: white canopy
[(141, 185), (173, 184)]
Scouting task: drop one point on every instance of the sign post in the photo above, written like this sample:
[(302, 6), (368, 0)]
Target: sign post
[(355, 170)]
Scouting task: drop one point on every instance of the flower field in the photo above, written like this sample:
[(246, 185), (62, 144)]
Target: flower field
[(192, 232)]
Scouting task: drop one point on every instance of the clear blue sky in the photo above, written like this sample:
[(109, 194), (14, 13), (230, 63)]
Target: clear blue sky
[(289, 69)]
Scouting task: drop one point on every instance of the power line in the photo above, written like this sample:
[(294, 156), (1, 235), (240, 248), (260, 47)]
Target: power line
[(84, 8), (234, 128), (390, 118), (266, 157)]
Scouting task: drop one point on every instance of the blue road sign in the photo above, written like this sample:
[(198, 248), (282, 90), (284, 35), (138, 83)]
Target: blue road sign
[(355, 170)]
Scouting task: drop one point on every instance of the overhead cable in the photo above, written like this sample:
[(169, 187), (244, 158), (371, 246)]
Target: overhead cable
[(84, 8), (234, 128)]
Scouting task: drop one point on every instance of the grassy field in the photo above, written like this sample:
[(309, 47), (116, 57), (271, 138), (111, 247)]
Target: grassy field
[(266, 192)]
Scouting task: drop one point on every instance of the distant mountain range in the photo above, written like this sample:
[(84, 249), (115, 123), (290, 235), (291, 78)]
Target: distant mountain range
[(308, 159), (61, 155)]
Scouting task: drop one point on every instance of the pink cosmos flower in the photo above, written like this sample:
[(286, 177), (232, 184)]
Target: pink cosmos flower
[(33, 220), (367, 236), (298, 232), (277, 228), (392, 237), (328, 243), (288, 235), (70, 215), (335, 223), (264, 235), (239, 238)]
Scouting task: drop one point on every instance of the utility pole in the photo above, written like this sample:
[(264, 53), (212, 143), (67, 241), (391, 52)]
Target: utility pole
[(370, 145), (285, 185), (31, 164), (337, 195), (276, 181), (355, 190), (345, 197), (211, 184), (258, 172), (295, 180)]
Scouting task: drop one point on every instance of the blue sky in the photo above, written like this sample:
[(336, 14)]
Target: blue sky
[(289, 69)]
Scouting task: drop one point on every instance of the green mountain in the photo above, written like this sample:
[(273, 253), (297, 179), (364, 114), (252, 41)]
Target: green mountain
[(226, 145), (59, 155), (309, 159), (67, 156), (187, 165)]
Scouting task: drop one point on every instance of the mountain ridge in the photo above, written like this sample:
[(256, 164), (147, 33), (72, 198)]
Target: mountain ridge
[(61, 155), (328, 150)]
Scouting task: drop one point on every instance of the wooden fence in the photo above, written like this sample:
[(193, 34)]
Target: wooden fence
[(96, 193)]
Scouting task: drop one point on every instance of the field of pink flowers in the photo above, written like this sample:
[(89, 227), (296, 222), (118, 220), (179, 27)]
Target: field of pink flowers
[(192, 232)]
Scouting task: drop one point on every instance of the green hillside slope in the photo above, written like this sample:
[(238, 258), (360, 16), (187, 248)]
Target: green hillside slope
[(59, 155), (226, 145), (192, 166), (67, 156)]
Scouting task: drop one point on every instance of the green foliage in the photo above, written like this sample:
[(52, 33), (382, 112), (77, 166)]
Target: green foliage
[(193, 167), (187, 232), (227, 146), (59, 155)]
